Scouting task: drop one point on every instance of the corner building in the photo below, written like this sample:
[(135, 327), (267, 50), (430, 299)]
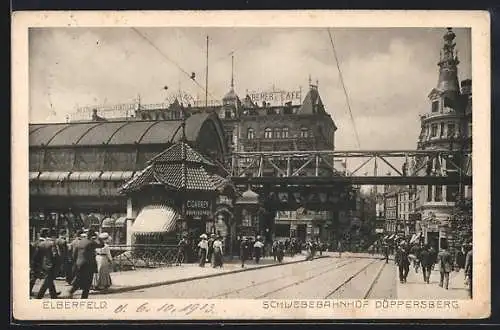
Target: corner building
[(446, 126)]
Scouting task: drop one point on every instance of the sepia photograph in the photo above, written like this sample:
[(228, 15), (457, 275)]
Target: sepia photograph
[(306, 170)]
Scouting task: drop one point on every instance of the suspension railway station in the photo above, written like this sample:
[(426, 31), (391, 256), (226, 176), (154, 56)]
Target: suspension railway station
[(240, 167)]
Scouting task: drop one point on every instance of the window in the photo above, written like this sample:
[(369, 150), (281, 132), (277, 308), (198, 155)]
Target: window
[(439, 194), (277, 133), (442, 130), (434, 130), (228, 114), (268, 133), (284, 132), (435, 106), (451, 130), (250, 133), (304, 132), (429, 193)]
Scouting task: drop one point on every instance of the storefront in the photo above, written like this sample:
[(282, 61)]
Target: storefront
[(174, 196)]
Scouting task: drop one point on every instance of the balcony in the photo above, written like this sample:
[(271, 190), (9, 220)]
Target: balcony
[(446, 112)]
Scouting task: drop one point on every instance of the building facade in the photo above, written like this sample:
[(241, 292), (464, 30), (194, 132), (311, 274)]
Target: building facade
[(446, 126), (274, 126), (391, 208)]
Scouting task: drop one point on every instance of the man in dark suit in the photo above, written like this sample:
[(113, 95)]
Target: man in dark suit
[(46, 255), (62, 246), (403, 261), (426, 262), (84, 263), (445, 265)]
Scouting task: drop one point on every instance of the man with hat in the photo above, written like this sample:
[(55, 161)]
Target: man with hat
[(71, 262), (62, 246), (403, 261), (47, 256), (244, 250), (85, 264)]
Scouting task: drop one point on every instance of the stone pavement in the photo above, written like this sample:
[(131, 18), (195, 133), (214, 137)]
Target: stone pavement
[(416, 288), (146, 278)]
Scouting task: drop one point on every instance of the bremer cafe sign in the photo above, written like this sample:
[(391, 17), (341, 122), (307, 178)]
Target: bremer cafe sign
[(275, 97)]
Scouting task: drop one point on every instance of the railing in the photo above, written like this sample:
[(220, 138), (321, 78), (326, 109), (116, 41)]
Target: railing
[(130, 257)]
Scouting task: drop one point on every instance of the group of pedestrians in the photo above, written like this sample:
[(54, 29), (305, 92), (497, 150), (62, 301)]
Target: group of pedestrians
[(211, 250), (85, 263), (250, 249), (426, 257)]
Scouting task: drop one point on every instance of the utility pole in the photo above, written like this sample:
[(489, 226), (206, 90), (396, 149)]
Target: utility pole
[(206, 79)]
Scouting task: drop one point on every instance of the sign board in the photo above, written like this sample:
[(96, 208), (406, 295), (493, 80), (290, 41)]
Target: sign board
[(276, 97), (197, 204)]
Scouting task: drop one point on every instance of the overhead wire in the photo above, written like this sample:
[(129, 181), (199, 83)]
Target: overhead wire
[(345, 89), (143, 36)]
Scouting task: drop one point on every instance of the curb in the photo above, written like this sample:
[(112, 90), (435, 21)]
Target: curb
[(151, 285)]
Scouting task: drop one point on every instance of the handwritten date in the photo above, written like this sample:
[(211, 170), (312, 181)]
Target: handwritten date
[(166, 308)]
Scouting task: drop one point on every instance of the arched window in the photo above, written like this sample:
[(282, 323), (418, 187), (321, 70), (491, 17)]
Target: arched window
[(284, 133), (250, 133), (277, 133), (268, 133), (304, 132)]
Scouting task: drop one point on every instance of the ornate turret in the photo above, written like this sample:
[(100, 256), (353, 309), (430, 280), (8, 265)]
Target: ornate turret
[(448, 61), (231, 98)]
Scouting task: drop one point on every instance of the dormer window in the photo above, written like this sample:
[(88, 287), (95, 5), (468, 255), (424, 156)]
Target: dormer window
[(268, 133), (250, 134), (435, 106), (228, 114)]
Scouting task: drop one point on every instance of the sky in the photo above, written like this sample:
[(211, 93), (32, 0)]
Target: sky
[(388, 72)]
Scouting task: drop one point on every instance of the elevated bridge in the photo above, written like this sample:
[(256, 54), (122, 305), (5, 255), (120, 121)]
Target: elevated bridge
[(323, 168), (320, 180)]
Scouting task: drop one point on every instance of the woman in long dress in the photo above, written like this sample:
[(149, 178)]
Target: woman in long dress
[(217, 246), (203, 250), (102, 280)]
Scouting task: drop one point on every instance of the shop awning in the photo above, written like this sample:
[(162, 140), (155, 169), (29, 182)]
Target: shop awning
[(53, 176), (116, 175), (121, 222), (155, 219), (84, 176)]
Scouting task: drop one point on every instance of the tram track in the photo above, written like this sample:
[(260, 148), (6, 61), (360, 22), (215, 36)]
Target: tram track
[(253, 285), (375, 281), (338, 266)]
